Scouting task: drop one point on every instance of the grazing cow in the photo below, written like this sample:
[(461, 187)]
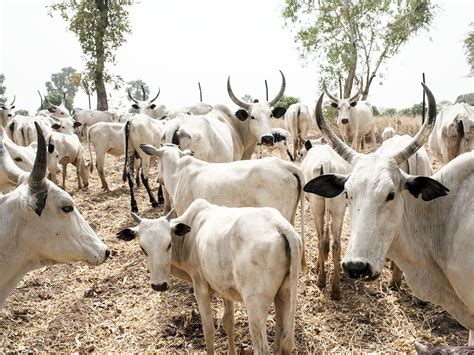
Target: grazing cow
[(321, 159), (248, 255), (355, 119), (40, 225), (387, 133), (6, 112), (453, 133), (66, 149), (280, 142), (298, 122), (89, 117), (435, 245), (141, 129)]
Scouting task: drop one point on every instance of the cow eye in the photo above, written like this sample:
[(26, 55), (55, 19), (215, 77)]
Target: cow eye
[(68, 209), (169, 247), (18, 159), (390, 196), (143, 250), (252, 117)]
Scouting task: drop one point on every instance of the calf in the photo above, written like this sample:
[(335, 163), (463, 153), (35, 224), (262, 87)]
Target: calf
[(248, 255), (40, 225), (280, 142), (66, 149), (387, 133), (298, 122), (322, 159), (6, 112)]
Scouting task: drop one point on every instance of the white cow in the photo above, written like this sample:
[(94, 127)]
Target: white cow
[(355, 119), (388, 133), (248, 255), (66, 149), (10, 174), (453, 133), (435, 245), (23, 157), (322, 159), (89, 117), (40, 225), (6, 112), (298, 122), (280, 142)]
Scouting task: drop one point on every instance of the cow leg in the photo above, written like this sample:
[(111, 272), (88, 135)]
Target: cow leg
[(228, 324), (318, 210), (295, 147), (130, 172), (99, 164), (78, 174), (355, 141), (285, 320), (257, 311), (203, 297), (64, 176), (471, 338), (336, 227), (168, 204), (397, 275), (374, 140), (161, 198), (144, 175)]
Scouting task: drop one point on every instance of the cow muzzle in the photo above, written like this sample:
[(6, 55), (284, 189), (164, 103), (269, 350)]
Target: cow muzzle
[(359, 270), (267, 140), (345, 121), (160, 287)]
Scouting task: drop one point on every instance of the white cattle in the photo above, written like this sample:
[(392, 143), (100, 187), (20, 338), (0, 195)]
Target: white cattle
[(322, 159), (453, 133), (298, 122), (89, 117), (40, 225), (141, 129), (388, 133), (66, 149), (23, 157), (6, 112), (355, 119), (435, 245), (10, 174), (248, 255), (280, 142)]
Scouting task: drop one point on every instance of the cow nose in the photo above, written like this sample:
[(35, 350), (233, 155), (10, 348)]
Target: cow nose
[(160, 287), (357, 269), (267, 139), (107, 253), (345, 121)]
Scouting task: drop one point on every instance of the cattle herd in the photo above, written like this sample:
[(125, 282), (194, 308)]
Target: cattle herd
[(228, 223)]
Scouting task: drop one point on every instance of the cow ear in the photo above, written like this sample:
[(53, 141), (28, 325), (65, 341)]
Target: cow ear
[(50, 148), (135, 106), (152, 106), (56, 126), (127, 234), (278, 112), (11, 126), (242, 114), (180, 229), (353, 103), (334, 104), (37, 201), (151, 150), (308, 145), (186, 152), (329, 185), (427, 187), (77, 124), (461, 128)]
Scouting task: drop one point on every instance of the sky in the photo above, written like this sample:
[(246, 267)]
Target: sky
[(175, 44)]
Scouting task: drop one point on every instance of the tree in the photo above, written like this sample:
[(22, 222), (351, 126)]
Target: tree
[(247, 98), (286, 101), (466, 98), (101, 26), (3, 88), (469, 46), (135, 87), (67, 81), (352, 38), (56, 97)]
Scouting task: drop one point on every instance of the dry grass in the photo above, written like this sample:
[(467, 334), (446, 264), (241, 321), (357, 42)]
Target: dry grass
[(112, 307)]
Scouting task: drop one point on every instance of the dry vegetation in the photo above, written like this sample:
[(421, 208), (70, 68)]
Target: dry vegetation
[(112, 307)]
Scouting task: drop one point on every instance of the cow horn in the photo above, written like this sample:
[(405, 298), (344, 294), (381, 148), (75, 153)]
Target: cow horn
[(234, 98), (423, 133), (356, 96), (49, 103), (41, 100), (332, 98), (339, 146), (14, 98), (131, 97), (37, 179), (266, 90), (137, 218), (281, 92), (143, 92), (158, 94), (169, 215)]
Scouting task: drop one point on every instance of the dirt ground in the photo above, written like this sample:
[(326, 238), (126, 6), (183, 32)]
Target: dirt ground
[(113, 308)]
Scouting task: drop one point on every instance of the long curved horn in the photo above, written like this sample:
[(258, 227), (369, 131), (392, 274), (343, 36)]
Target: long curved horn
[(137, 218), (339, 146), (234, 98), (143, 92), (356, 96), (49, 103), (131, 97), (200, 92), (37, 179), (423, 133), (158, 94), (169, 215), (14, 98), (281, 92), (266, 90), (41, 100), (332, 98)]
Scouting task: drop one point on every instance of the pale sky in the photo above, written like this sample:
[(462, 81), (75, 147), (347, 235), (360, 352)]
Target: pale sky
[(175, 44)]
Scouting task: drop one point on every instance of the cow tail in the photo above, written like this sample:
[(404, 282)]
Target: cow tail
[(300, 178), (91, 167), (126, 135)]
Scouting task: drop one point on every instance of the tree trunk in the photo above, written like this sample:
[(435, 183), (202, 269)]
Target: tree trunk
[(102, 23), (349, 82)]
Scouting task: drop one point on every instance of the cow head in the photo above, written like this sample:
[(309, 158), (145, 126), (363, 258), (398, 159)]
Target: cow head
[(59, 111), (258, 114), (343, 106), (146, 107), (375, 192), (156, 238), (52, 229), (53, 158), (6, 111)]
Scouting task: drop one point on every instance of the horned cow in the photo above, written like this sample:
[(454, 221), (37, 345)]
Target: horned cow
[(297, 122)]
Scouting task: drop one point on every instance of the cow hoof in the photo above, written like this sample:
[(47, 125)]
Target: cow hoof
[(134, 209), (336, 295), (161, 200), (321, 283), (155, 204)]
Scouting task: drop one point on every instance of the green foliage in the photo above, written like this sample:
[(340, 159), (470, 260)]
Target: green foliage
[(67, 81), (56, 97), (135, 87), (354, 36), (389, 112), (469, 47), (375, 110), (466, 98), (286, 101), (329, 112), (247, 98), (415, 110), (3, 88)]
